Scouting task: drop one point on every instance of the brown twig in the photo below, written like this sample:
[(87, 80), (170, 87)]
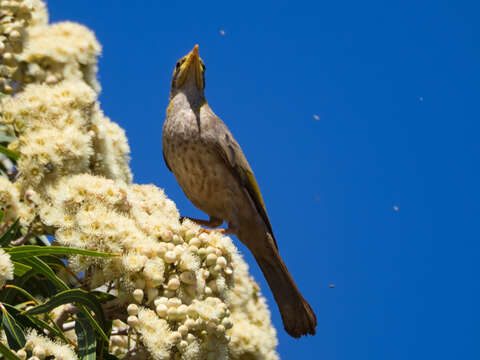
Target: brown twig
[(22, 240), (68, 310)]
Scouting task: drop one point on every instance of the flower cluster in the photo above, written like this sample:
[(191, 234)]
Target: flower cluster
[(63, 51), (182, 293), (9, 200), (6, 268), (42, 347), (61, 131), (15, 16)]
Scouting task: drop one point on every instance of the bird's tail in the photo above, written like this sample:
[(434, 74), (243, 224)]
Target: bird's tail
[(297, 315)]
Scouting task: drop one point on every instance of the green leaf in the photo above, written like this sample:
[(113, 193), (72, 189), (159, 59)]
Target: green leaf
[(23, 291), (102, 297), (10, 234), (87, 342), (94, 323), (20, 269), (23, 320), (40, 267), (79, 297), (9, 153), (32, 321), (1, 215), (13, 332), (6, 138), (7, 353), (35, 250)]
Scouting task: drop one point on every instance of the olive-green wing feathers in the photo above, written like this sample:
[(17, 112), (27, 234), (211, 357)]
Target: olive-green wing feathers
[(233, 156)]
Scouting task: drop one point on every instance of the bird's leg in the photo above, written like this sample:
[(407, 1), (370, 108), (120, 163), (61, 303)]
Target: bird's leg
[(213, 222)]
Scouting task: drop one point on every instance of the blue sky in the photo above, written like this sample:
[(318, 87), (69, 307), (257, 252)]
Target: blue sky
[(395, 86)]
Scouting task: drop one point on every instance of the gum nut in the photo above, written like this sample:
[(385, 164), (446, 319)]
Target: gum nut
[(182, 344), (211, 250), (189, 234), (212, 285), (227, 322), (34, 358), (218, 252), (208, 291), (132, 309), (193, 249), (161, 310), (169, 293), (182, 310), (211, 259), (188, 277), (227, 338), (199, 323), (170, 247), (195, 242), (222, 262), (182, 329), (170, 257), (192, 313), (22, 354), (138, 295), (172, 313), (206, 274), (132, 321), (39, 351), (190, 337), (203, 237), (173, 284), (116, 340), (228, 270), (217, 268), (180, 249), (152, 293), (160, 300), (174, 302), (15, 35), (175, 337), (177, 239), (167, 236), (220, 328), (189, 323), (161, 249), (202, 252)]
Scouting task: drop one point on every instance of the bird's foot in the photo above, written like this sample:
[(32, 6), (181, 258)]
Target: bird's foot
[(221, 231), (211, 223)]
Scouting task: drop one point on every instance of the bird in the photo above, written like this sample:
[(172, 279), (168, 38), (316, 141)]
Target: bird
[(213, 172)]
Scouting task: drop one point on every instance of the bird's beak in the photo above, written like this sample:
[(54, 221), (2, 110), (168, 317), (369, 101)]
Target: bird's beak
[(192, 63)]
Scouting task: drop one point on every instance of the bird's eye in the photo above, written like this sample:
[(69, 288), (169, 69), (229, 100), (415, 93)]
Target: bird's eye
[(204, 67), (179, 62)]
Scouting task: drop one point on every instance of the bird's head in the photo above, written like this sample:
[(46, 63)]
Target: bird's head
[(189, 74)]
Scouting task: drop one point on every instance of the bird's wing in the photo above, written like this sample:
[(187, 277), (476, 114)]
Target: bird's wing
[(233, 156), (165, 158), (163, 149)]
